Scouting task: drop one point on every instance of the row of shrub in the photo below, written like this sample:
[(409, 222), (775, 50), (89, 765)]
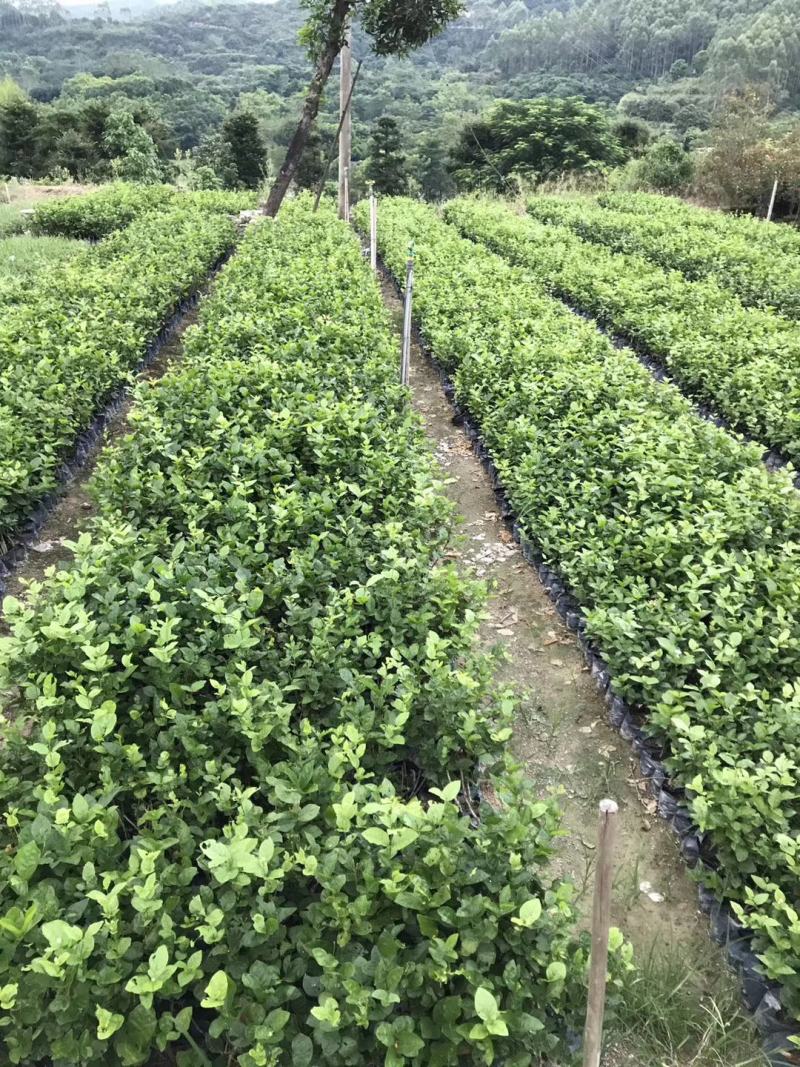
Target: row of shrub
[(679, 544), (762, 274), (73, 336), (743, 362), (112, 207), (770, 238), (242, 824)]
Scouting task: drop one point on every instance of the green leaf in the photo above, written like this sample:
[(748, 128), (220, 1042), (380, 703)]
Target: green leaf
[(26, 860), (133, 1042), (216, 991), (302, 1051), (616, 939), (407, 1043), (529, 913), (449, 793), (485, 1005), (556, 971), (107, 1023), (328, 1012), (60, 935), (376, 836), (104, 720)]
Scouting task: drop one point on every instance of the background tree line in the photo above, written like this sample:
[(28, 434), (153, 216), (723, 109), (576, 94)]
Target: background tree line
[(163, 93)]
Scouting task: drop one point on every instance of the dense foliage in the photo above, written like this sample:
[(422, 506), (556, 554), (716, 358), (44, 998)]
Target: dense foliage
[(742, 362), (241, 826), (79, 331), (247, 150), (771, 239), (96, 215), (693, 51), (534, 140), (386, 164), (181, 69), (22, 257), (679, 544), (112, 207), (759, 276)]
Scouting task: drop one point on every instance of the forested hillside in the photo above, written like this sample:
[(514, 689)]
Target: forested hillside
[(180, 69), (675, 58)]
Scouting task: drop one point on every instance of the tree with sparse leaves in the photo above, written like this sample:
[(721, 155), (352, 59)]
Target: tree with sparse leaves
[(394, 27)]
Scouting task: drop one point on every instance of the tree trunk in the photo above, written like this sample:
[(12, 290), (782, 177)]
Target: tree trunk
[(339, 12)]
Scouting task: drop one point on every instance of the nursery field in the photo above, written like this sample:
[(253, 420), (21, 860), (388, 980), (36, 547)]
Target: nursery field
[(240, 771), (741, 363), (73, 333), (756, 262), (23, 256), (259, 806), (676, 544)]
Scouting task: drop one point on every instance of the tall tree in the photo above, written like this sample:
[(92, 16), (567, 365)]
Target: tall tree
[(435, 179), (386, 164), (19, 122), (134, 156), (247, 148), (394, 27), (534, 140)]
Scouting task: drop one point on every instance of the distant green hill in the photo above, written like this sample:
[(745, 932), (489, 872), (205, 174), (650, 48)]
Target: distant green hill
[(186, 65)]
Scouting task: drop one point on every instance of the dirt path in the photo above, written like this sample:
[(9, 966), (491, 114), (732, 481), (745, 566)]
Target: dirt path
[(562, 736)]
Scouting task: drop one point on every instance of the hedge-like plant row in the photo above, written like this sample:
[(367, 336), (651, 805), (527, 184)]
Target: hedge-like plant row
[(743, 362), (239, 827), (760, 277), (79, 332), (769, 237), (680, 546), (112, 207)]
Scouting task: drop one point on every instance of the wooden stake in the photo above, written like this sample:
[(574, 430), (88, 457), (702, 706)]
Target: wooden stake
[(601, 919), (346, 134), (405, 359), (328, 161), (772, 200), (373, 229)]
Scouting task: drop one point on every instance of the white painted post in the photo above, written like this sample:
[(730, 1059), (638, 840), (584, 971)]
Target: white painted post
[(373, 229), (601, 921), (405, 360), (772, 200)]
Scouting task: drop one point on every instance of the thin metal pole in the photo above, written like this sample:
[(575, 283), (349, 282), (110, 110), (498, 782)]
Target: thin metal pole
[(772, 200), (601, 920), (335, 142), (346, 135), (373, 229), (405, 360)]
